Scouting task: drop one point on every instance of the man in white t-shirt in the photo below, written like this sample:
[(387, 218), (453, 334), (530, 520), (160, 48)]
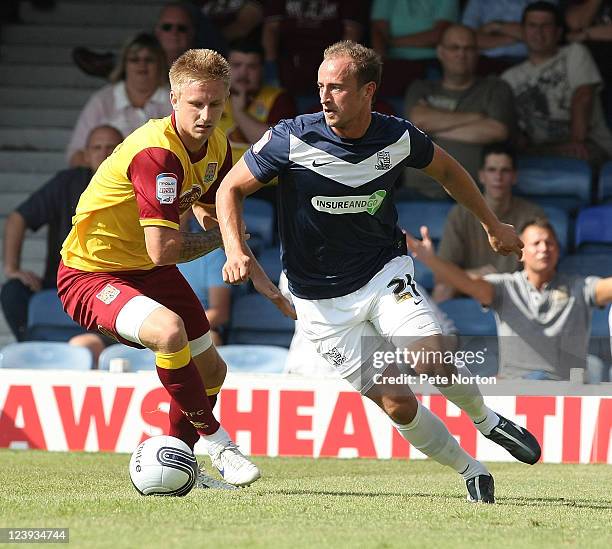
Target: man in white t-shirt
[(557, 92)]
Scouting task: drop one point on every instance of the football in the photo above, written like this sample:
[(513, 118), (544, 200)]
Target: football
[(163, 466)]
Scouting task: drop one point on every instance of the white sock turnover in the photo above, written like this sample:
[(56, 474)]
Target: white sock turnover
[(468, 397)]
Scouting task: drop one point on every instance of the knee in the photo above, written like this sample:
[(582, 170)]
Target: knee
[(219, 371), (400, 408), (168, 332)]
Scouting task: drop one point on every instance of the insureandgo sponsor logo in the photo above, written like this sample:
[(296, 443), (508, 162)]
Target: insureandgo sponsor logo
[(349, 204)]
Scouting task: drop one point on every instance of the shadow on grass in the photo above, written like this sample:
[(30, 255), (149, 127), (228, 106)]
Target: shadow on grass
[(503, 500)]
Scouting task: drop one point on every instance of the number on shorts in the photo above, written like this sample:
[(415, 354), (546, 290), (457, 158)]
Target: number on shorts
[(405, 289)]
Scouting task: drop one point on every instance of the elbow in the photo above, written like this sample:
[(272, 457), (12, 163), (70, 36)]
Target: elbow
[(159, 259), (161, 256)]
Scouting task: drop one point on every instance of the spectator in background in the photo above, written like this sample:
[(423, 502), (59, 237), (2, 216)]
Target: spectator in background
[(464, 241), (138, 93), (405, 34), (204, 276), (231, 20), (253, 106), (175, 31), (462, 112), (557, 92), (543, 317), (498, 31), (53, 205), (296, 33), (590, 22)]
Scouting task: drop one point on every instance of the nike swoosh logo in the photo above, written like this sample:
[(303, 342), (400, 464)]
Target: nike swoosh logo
[(316, 164), (417, 302)]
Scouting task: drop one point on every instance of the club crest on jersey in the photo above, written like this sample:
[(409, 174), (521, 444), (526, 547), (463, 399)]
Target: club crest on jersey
[(349, 204), (108, 294), (166, 188), (384, 160), (211, 170)]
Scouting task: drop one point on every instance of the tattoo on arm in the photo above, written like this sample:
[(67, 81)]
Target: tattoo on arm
[(198, 244)]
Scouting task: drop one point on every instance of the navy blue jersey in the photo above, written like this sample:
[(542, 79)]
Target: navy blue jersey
[(337, 218)]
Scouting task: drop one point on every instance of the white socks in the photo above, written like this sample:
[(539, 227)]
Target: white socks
[(217, 440), (468, 397), (429, 435)]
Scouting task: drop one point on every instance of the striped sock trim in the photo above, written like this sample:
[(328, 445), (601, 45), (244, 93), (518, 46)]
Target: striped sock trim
[(173, 361), (213, 391)]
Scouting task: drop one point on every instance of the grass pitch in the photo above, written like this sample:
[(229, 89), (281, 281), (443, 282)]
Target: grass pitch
[(309, 503)]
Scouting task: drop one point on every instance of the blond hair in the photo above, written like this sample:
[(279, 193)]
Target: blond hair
[(199, 66), (366, 63)]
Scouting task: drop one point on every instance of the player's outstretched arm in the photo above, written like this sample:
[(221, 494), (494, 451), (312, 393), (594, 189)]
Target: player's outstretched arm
[(237, 184), (460, 185), (423, 250), (167, 246)]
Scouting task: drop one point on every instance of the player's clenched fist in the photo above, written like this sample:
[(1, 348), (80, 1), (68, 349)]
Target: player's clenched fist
[(237, 269), (504, 240)]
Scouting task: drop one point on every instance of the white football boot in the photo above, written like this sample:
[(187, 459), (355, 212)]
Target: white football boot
[(231, 463), (206, 481)]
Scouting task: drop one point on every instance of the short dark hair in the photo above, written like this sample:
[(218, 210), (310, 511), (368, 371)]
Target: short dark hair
[(543, 5), (367, 65), (246, 45), (542, 223), (498, 148)]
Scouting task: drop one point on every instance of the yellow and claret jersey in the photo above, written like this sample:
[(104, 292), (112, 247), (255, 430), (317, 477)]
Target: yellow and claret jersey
[(269, 106), (149, 179)]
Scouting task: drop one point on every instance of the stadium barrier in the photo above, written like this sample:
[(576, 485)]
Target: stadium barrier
[(283, 415)]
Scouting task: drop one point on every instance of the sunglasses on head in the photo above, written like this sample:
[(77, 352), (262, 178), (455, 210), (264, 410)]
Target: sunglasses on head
[(167, 27)]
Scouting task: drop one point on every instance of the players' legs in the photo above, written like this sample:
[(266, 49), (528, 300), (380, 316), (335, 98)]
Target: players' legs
[(342, 334), (405, 319), (212, 370), (144, 321), (402, 315)]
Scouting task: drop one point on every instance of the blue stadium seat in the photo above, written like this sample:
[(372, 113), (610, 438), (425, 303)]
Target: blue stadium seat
[(555, 181), (256, 321), (411, 215), (478, 332), (594, 230), (559, 219), (604, 190), (587, 264), (469, 317), (139, 359), (259, 220), (600, 326), (270, 261), (45, 355), (47, 320), (267, 359)]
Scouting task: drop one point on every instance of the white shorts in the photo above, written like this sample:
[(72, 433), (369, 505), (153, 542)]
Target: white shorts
[(348, 330)]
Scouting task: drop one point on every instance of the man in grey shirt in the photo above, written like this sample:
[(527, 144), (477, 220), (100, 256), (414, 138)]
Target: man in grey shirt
[(461, 112), (543, 317)]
